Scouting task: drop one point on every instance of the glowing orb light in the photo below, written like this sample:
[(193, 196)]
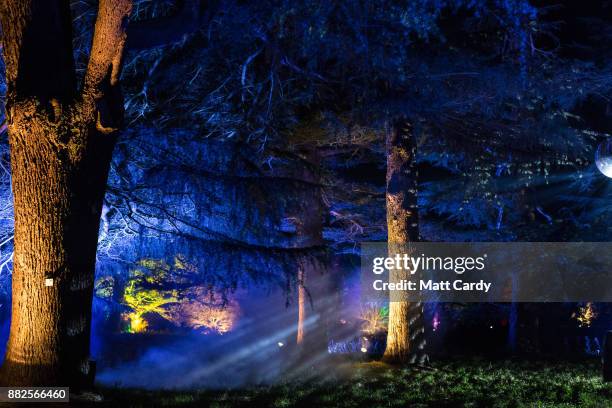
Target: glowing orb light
[(603, 158)]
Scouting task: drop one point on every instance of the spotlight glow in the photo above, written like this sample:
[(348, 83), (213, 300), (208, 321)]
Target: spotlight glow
[(603, 158)]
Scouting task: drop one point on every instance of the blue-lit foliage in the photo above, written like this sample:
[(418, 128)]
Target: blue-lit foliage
[(260, 70), (247, 82)]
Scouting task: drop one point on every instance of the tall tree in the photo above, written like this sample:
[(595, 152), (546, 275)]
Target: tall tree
[(406, 337), (309, 230), (61, 140)]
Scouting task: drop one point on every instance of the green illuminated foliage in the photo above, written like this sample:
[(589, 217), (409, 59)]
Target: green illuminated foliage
[(170, 292)]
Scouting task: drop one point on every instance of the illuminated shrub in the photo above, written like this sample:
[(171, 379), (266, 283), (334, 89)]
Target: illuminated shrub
[(143, 301), (374, 318), (187, 305), (203, 316), (585, 315)]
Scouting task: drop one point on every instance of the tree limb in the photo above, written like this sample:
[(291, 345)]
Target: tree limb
[(104, 67)]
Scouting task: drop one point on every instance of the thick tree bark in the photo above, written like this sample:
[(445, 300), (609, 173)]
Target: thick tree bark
[(61, 143), (57, 208), (405, 337)]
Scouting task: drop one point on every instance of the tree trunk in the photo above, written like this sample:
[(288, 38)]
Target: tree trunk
[(309, 230), (302, 299), (405, 337), (57, 209), (61, 143)]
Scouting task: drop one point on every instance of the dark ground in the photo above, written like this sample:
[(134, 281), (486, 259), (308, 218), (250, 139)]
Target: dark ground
[(472, 383)]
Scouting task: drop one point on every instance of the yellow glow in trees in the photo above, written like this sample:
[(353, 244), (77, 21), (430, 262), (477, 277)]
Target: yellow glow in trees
[(143, 301), (586, 315), (191, 307)]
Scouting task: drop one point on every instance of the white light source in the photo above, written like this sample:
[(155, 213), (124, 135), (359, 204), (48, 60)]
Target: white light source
[(280, 344), (603, 158), (49, 282), (364, 350)]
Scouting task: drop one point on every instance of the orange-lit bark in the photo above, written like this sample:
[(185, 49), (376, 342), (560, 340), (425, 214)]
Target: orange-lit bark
[(405, 338), (309, 229), (61, 141), (301, 305)]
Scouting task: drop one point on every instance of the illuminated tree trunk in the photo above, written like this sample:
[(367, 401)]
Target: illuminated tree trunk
[(309, 229), (405, 337), (302, 295), (61, 141)]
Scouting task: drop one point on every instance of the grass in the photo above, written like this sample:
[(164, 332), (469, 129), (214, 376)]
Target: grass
[(473, 383)]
